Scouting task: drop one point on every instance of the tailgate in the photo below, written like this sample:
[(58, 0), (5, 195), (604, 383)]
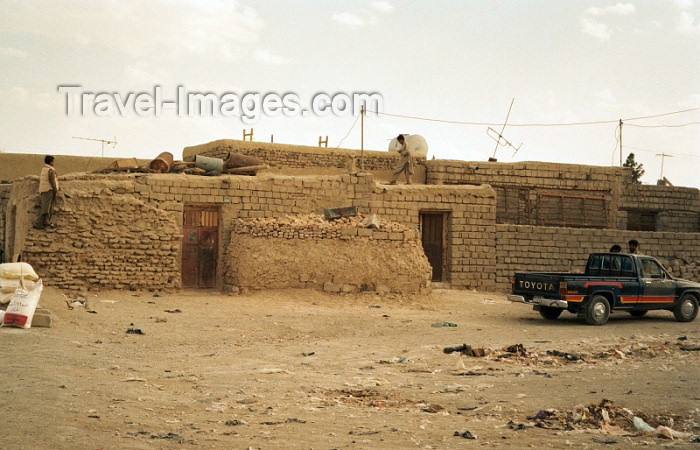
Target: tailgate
[(537, 284)]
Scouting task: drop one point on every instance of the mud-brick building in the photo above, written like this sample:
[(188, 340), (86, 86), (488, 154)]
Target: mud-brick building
[(463, 225), (167, 231)]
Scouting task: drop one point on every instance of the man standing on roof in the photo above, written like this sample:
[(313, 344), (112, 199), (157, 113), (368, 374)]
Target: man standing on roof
[(405, 164), (48, 190)]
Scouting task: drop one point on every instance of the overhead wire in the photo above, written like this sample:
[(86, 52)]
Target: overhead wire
[(474, 123), (349, 131)]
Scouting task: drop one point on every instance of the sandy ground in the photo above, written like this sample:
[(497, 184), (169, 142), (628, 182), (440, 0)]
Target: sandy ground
[(305, 369)]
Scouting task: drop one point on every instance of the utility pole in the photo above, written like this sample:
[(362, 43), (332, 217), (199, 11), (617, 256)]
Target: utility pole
[(362, 138), (102, 141), (663, 156), (621, 143)]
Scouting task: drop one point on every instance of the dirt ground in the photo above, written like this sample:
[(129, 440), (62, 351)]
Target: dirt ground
[(305, 369)]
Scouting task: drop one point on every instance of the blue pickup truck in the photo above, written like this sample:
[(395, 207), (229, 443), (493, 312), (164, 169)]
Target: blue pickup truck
[(612, 281)]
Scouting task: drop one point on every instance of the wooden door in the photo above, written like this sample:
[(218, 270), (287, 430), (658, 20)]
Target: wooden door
[(200, 247), (433, 237)]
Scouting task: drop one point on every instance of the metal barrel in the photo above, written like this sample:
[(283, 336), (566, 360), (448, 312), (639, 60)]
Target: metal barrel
[(209, 164), (163, 163)]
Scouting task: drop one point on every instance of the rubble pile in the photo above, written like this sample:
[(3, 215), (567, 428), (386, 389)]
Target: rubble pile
[(681, 268), (617, 353), (613, 420), (315, 226)]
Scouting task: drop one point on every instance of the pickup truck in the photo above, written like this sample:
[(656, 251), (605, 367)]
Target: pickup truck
[(612, 281)]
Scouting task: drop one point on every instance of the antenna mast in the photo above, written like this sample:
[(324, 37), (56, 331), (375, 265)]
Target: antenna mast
[(102, 141)]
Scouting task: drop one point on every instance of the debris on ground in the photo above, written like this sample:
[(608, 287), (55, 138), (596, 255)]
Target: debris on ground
[(610, 419), (443, 324), (465, 434), (133, 330), (466, 350)]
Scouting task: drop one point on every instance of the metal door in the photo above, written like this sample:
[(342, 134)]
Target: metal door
[(200, 247), (433, 237)]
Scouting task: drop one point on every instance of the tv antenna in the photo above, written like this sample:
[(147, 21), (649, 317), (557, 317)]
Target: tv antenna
[(663, 156), (498, 137), (102, 141)]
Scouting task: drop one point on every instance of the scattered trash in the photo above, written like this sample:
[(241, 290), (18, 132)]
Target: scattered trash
[(395, 360), (565, 355), (641, 425), (132, 330), (157, 294), (234, 422), (274, 370), (542, 414), (690, 348), (682, 338), (363, 433), (443, 324), (465, 435), (170, 435), (516, 426), (466, 350), (470, 373), (518, 349), (432, 408)]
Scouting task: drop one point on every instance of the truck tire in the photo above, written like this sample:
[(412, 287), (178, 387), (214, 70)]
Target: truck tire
[(550, 313), (638, 313), (687, 308), (597, 310)]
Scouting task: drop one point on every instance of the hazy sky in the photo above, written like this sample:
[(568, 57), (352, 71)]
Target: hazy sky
[(562, 62)]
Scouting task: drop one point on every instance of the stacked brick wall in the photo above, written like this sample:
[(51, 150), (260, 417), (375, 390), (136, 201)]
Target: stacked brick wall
[(556, 249), (535, 193), (470, 213), (4, 198), (106, 238), (337, 256), (471, 208), (297, 157), (676, 208)]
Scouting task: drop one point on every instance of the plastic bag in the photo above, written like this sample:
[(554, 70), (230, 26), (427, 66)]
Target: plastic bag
[(20, 311), (18, 270)]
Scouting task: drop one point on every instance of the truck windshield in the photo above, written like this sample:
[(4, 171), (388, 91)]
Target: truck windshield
[(616, 265)]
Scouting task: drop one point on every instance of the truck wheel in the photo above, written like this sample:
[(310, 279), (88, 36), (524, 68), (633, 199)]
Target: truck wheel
[(638, 313), (686, 309), (597, 310), (550, 313)]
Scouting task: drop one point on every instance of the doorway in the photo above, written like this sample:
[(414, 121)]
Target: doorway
[(200, 247), (434, 239)]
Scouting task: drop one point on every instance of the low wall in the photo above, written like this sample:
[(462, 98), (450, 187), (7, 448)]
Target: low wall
[(305, 160), (555, 249), (19, 165), (106, 238), (337, 256)]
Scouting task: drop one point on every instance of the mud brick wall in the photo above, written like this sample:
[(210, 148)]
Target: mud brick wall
[(336, 256), (677, 208), (285, 158), (558, 249), (535, 193), (470, 220), (106, 238), (471, 214), (4, 199)]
